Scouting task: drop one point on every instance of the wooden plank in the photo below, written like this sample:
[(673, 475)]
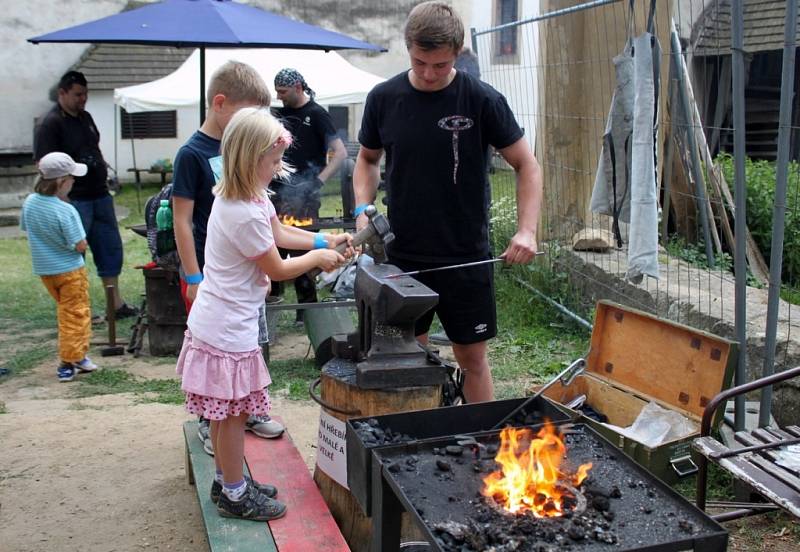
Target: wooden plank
[(224, 534), (772, 488), (308, 524), (766, 461), (794, 430)]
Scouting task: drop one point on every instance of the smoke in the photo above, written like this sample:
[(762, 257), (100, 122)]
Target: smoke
[(298, 194)]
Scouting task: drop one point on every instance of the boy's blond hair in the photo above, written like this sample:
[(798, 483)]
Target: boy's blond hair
[(239, 82), (48, 186), (251, 133), (432, 25)]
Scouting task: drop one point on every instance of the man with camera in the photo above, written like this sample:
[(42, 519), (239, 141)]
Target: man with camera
[(69, 128)]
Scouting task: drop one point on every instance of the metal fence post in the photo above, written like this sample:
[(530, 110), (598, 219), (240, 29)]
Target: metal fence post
[(779, 210)]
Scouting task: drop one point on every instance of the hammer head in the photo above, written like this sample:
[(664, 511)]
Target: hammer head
[(375, 244)]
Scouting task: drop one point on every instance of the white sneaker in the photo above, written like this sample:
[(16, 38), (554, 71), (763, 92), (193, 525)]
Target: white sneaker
[(264, 426), (86, 365), (204, 434)]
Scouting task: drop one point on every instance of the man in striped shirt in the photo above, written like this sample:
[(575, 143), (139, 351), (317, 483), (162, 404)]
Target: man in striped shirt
[(57, 240)]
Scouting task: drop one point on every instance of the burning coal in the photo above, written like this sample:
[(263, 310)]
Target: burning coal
[(531, 477), (290, 220)]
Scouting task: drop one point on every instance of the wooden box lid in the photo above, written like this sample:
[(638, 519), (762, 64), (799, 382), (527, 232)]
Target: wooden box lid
[(670, 363)]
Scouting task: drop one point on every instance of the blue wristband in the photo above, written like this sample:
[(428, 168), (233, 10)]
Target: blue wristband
[(320, 242), (360, 209), (193, 279)]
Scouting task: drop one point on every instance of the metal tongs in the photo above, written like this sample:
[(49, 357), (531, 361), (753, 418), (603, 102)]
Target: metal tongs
[(566, 377)]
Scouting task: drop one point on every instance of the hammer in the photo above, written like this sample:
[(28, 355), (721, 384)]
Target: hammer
[(111, 318), (375, 235)]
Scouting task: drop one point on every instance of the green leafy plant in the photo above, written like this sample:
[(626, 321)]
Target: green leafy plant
[(761, 178)]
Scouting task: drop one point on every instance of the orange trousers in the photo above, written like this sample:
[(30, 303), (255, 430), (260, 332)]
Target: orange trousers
[(71, 292)]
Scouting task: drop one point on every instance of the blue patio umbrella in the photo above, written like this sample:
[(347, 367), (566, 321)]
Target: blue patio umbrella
[(201, 23)]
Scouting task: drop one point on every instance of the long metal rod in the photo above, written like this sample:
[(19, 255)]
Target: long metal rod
[(740, 228), (565, 376), (779, 209), (755, 448), (451, 267), (691, 140), (202, 84), (309, 306), (555, 304), (548, 15)]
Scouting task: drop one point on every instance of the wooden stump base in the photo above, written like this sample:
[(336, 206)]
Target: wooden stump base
[(338, 389)]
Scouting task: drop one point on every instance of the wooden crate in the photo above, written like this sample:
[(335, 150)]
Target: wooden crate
[(636, 358)]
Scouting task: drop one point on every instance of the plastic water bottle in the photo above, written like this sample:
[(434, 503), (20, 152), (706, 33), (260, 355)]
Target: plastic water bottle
[(165, 237)]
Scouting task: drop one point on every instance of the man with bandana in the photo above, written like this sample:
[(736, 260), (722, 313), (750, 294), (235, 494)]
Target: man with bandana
[(313, 135)]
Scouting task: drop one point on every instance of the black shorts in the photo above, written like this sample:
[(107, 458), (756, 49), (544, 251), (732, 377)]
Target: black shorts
[(466, 305)]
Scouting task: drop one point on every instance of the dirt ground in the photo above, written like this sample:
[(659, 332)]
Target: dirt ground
[(106, 473)]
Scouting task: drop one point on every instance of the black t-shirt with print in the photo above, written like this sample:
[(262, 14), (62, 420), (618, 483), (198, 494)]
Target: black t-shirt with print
[(436, 146), (79, 138)]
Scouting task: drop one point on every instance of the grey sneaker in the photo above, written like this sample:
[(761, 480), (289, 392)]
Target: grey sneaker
[(204, 434), (270, 491), (253, 505), (264, 426)]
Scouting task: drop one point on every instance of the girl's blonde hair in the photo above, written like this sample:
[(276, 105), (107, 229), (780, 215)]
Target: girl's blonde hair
[(251, 133)]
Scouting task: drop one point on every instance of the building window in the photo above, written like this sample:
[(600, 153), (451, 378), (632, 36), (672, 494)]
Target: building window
[(149, 124), (506, 47)]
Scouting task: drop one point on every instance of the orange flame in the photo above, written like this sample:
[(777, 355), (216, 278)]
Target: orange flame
[(291, 221), (530, 479)]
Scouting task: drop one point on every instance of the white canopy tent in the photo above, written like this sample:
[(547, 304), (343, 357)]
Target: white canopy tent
[(333, 79)]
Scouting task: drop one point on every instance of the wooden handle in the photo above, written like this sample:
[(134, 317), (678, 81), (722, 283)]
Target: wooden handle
[(111, 316)]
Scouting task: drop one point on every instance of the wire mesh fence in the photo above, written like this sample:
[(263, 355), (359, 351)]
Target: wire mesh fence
[(565, 68)]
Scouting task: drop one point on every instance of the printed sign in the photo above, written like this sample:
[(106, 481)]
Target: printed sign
[(331, 448)]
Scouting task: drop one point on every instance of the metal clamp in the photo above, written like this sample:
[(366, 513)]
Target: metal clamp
[(317, 399), (683, 465)]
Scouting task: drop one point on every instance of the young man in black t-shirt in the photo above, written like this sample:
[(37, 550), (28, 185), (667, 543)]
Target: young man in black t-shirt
[(313, 136), (69, 128), (435, 125)]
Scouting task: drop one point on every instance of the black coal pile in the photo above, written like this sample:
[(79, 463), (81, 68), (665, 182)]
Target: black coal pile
[(372, 435), (618, 508)]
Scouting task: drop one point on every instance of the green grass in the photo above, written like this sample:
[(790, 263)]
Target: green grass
[(3, 409), (534, 341), (293, 375), (110, 382), (27, 358)]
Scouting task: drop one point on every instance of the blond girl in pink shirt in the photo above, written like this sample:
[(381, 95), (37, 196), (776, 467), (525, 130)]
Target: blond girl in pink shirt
[(223, 372)]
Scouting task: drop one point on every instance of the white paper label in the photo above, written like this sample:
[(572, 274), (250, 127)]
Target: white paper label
[(331, 448)]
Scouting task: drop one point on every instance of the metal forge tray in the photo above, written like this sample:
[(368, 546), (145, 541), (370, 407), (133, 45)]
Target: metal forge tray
[(640, 512), (435, 423)]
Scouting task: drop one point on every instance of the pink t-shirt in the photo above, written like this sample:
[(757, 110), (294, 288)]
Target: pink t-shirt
[(225, 313)]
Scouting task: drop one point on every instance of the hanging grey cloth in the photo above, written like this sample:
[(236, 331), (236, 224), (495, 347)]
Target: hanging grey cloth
[(625, 183), (643, 232), (611, 194)]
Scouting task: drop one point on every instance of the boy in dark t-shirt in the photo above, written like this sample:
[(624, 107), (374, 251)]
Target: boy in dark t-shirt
[(435, 125)]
